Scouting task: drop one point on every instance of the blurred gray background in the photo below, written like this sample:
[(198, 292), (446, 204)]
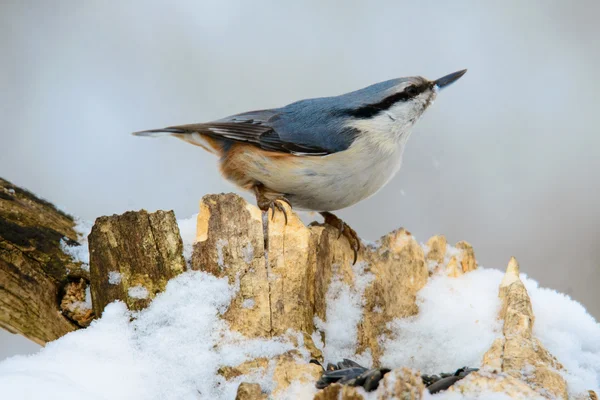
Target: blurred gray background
[(506, 159)]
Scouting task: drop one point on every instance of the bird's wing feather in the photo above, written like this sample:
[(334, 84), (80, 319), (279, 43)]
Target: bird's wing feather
[(262, 136), (254, 128), (308, 127)]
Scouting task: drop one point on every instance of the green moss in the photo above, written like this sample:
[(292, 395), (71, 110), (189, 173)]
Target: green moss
[(5, 196), (44, 244)]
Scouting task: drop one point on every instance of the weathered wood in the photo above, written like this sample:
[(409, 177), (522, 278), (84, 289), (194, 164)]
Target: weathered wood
[(133, 256), (275, 286), (282, 290), (230, 242), (77, 303), (33, 267)]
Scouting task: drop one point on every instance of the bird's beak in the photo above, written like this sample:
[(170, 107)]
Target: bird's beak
[(449, 79)]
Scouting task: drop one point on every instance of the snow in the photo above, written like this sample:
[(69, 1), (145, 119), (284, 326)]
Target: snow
[(114, 277), (566, 329), (456, 324), (344, 311), (138, 292), (248, 303), (169, 351), (79, 253), (174, 348), (187, 230)]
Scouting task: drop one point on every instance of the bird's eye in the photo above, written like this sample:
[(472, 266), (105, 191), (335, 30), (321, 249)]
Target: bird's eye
[(411, 91)]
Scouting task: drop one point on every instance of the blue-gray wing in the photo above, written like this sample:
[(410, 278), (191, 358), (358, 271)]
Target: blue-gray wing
[(308, 127), (300, 129)]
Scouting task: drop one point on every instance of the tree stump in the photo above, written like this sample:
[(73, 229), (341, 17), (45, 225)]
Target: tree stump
[(133, 256)]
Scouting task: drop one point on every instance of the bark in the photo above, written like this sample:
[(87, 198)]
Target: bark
[(43, 290), (286, 284), (230, 242), (34, 270), (133, 256)]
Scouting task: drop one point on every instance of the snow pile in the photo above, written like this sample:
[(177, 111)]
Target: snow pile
[(167, 352), (174, 348), (456, 324), (568, 332), (344, 311)]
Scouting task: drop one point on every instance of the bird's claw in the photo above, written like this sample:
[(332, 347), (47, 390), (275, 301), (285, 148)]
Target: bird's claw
[(272, 205), (344, 230), (276, 205), (267, 202), (341, 230)]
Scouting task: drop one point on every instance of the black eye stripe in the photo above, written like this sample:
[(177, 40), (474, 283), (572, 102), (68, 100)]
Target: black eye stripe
[(411, 90), (370, 110)]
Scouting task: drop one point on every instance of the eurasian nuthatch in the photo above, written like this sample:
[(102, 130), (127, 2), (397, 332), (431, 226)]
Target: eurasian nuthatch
[(319, 154)]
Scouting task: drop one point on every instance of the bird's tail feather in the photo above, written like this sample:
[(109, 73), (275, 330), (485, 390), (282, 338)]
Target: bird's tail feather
[(187, 134), (159, 132)]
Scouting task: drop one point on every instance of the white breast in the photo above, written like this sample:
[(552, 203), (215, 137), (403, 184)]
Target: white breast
[(338, 180)]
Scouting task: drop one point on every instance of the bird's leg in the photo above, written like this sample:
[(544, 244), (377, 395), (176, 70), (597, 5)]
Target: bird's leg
[(266, 203), (345, 230)]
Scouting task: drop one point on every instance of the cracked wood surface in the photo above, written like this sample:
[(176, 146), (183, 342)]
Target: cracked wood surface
[(285, 286), (133, 256), (33, 267), (230, 243)]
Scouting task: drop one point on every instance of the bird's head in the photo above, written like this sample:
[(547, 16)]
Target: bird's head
[(394, 106)]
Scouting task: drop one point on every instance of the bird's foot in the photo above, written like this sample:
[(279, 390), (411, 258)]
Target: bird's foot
[(268, 203), (344, 230)]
